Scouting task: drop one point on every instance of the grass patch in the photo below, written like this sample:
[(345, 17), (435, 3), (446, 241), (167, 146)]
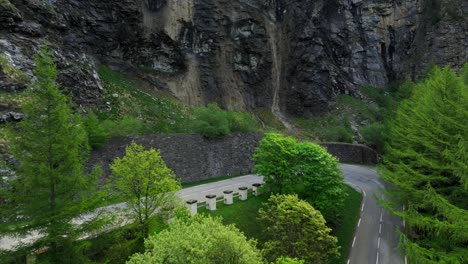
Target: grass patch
[(156, 114), (11, 71), (131, 111), (329, 128), (345, 231), (268, 120), (242, 214), (15, 100)]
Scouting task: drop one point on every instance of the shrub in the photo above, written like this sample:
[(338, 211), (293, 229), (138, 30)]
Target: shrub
[(199, 240), (293, 228), (97, 135), (211, 121), (128, 126), (374, 135), (242, 122)]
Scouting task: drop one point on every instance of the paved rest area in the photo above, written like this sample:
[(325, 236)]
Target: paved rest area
[(200, 191)]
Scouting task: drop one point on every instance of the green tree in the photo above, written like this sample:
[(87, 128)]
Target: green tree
[(211, 121), (51, 188), (293, 228), (284, 260), (275, 158), (97, 136), (426, 161), (143, 180), (320, 177), (200, 240), (303, 168)]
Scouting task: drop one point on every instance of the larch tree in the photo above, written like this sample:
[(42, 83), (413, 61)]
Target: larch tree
[(426, 161), (142, 179), (51, 188)]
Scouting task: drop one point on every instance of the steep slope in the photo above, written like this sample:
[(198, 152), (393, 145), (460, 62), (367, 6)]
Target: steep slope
[(293, 57)]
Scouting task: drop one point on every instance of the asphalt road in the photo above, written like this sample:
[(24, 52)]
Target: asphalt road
[(376, 239)]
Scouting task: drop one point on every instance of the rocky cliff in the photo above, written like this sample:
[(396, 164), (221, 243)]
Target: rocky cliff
[(292, 56)]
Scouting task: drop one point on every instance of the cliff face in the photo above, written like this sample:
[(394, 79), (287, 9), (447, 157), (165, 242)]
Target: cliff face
[(293, 57)]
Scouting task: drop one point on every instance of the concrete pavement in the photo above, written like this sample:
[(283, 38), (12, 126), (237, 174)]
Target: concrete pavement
[(199, 192)]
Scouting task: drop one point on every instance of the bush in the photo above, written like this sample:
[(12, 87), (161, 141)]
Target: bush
[(199, 240), (97, 135), (293, 228), (242, 122), (160, 114), (128, 126), (211, 121), (374, 135)]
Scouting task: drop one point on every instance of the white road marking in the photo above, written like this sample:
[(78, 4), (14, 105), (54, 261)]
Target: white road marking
[(354, 241), (359, 222), (381, 215), (364, 192), (380, 229), (378, 243), (362, 207), (406, 260), (377, 260), (348, 261)]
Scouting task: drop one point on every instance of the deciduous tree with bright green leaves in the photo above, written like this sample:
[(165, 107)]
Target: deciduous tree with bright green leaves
[(275, 159), (284, 260), (51, 188), (426, 160), (200, 240), (304, 168), (142, 179), (293, 228)]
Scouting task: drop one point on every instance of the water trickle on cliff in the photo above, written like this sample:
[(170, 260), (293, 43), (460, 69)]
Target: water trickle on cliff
[(276, 73)]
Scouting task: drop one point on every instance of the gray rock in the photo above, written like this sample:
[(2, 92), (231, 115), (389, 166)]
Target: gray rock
[(239, 53), (10, 117)]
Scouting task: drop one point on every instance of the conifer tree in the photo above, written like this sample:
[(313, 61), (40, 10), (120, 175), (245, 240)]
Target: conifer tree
[(51, 189), (426, 160)]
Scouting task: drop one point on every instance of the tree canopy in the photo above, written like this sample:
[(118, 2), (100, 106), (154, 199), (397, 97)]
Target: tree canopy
[(293, 228), (286, 260), (200, 240), (304, 168), (142, 179), (51, 188), (426, 161)]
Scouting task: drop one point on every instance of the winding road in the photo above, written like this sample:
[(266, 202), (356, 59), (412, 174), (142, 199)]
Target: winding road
[(375, 240)]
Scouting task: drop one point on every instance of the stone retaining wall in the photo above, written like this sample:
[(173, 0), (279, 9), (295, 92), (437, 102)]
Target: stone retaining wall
[(194, 158), (191, 157), (352, 153)]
